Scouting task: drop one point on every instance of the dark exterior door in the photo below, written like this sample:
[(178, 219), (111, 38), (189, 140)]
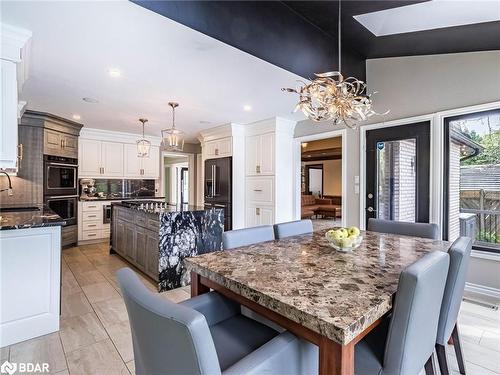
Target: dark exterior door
[(397, 173)]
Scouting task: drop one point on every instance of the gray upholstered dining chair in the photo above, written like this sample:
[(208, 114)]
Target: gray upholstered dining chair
[(455, 283), (205, 335), (425, 230), (409, 335), (293, 228), (248, 236)]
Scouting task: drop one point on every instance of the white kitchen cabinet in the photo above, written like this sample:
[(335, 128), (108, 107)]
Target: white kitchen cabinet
[(100, 159), (260, 189), (8, 143), (89, 158), (91, 226), (13, 72), (30, 287), (151, 164), (259, 215), (218, 148), (267, 150), (112, 159), (132, 163), (136, 167), (260, 151), (269, 186)]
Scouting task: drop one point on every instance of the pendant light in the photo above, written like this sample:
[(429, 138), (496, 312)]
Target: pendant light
[(331, 97), (143, 145), (172, 138)]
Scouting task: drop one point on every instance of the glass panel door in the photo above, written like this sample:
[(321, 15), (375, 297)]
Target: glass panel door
[(397, 173), (396, 180)]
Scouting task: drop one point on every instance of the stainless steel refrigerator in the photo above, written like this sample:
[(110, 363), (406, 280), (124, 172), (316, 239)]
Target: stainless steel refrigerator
[(219, 187)]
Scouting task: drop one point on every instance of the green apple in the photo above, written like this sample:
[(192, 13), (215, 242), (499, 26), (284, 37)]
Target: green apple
[(334, 234), (353, 231), (345, 231), (345, 242)]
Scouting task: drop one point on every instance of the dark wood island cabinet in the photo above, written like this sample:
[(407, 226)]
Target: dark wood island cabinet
[(156, 237)]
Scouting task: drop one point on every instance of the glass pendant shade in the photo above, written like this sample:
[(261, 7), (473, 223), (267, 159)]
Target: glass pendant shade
[(172, 138), (143, 145)]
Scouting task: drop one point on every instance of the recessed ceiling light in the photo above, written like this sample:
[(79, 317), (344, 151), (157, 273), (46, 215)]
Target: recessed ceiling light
[(90, 100), (205, 122), (115, 73), (76, 117), (247, 108)]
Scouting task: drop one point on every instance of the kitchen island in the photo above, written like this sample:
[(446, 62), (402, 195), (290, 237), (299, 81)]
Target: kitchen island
[(156, 237)]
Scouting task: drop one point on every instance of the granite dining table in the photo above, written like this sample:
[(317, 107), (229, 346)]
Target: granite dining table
[(328, 298)]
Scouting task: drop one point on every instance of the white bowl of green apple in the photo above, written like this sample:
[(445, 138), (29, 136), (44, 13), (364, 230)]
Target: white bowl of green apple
[(344, 239)]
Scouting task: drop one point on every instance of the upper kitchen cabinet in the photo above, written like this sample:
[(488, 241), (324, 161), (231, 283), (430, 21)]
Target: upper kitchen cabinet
[(145, 167), (260, 154), (14, 53), (100, 159), (57, 135), (112, 159), (60, 137), (218, 148), (89, 159)]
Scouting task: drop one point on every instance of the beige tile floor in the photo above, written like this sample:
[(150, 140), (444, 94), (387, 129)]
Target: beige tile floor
[(94, 336)]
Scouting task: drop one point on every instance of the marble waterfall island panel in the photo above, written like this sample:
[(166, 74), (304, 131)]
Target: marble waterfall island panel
[(184, 234)]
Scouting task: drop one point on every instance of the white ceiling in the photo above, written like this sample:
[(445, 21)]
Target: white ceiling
[(430, 15), (75, 44)]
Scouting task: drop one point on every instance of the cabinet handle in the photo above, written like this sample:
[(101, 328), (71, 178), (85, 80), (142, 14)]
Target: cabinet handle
[(257, 211), (216, 151), (257, 169), (92, 225), (61, 143), (20, 151), (92, 234), (257, 189)]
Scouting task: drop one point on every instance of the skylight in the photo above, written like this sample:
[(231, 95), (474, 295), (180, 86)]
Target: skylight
[(435, 14)]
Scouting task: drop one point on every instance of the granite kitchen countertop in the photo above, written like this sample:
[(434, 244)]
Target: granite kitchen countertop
[(114, 198), (34, 216), (145, 206), (302, 278)]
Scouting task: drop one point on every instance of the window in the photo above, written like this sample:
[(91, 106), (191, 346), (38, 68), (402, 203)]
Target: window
[(472, 178)]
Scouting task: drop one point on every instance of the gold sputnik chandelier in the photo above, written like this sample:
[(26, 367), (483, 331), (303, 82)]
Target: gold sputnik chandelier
[(330, 97)]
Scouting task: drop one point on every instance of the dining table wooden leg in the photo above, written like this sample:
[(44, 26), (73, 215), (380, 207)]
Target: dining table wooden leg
[(335, 359), (197, 287)]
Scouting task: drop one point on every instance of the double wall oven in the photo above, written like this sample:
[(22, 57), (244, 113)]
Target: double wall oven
[(60, 190)]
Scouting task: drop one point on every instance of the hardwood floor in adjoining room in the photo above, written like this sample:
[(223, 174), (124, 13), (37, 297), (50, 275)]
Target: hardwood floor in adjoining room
[(94, 336)]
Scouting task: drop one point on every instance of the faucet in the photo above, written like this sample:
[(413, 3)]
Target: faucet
[(9, 189)]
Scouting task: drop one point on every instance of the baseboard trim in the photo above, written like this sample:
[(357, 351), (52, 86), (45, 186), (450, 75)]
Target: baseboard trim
[(485, 255), (483, 290)]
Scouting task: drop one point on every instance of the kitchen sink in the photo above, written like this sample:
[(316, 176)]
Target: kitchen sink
[(19, 209)]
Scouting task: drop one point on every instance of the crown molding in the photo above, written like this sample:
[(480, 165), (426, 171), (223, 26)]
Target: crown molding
[(14, 39)]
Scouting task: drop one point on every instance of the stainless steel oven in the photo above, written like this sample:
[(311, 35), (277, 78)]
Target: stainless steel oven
[(65, 206), (60, 175)]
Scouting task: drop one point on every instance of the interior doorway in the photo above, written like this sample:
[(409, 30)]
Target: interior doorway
[(322, 178), (176, 185)]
